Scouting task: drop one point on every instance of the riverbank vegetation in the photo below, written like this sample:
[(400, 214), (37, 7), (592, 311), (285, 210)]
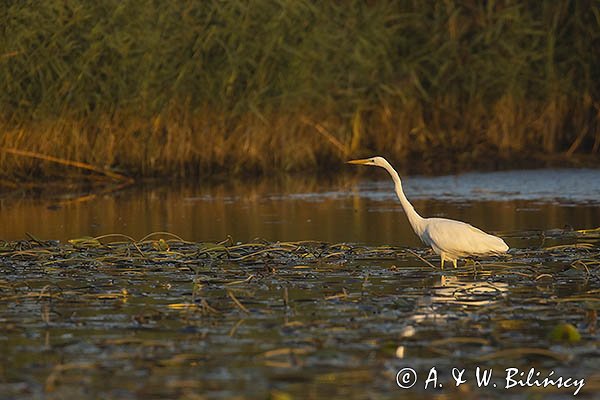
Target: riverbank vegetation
[(187, 88)]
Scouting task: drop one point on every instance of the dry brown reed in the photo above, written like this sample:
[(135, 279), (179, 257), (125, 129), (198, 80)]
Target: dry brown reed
[(188, 88)]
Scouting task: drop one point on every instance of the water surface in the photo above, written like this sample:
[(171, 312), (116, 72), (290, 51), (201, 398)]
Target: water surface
[(357, 210), (270, 319)]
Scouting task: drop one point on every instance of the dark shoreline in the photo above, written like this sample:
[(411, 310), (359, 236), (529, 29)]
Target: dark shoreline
[(74, 181)]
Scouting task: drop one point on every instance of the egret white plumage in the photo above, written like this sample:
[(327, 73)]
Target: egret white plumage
[(448, 238)]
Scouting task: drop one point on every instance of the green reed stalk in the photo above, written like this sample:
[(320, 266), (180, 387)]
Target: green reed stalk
[(189, 88)]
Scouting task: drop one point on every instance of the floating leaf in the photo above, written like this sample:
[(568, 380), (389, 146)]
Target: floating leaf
[(85, 242), (279, 395), (161, 245), (565, 333), (182, 306)]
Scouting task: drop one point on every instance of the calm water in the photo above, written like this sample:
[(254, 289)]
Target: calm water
[(311, 321), (340, 210)]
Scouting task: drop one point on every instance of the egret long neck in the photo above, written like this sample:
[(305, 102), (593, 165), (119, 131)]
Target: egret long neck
[(415, 220)]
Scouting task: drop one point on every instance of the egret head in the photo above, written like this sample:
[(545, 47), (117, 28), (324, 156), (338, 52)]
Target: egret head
[(375, 161)]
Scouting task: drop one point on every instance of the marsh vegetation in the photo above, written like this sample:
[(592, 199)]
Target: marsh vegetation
[(192, 88), (285, 320)]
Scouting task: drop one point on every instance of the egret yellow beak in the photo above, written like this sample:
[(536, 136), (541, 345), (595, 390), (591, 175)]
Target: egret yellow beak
[(359, 162)]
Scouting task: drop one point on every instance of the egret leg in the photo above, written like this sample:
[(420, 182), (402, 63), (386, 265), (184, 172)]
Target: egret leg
[(454, 262), (443, 259)]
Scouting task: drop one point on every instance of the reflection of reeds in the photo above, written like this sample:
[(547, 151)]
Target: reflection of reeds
[(188, 88)]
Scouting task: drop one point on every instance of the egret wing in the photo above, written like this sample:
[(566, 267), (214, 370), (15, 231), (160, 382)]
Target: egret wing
[(460, 239)]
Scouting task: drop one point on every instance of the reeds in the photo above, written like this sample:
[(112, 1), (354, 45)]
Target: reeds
[(190, 88)]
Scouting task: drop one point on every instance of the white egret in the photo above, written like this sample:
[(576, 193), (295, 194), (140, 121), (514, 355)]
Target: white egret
[(449, 239)]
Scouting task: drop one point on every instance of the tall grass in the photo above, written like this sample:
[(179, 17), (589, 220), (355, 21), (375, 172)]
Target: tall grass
[(192, 87)]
